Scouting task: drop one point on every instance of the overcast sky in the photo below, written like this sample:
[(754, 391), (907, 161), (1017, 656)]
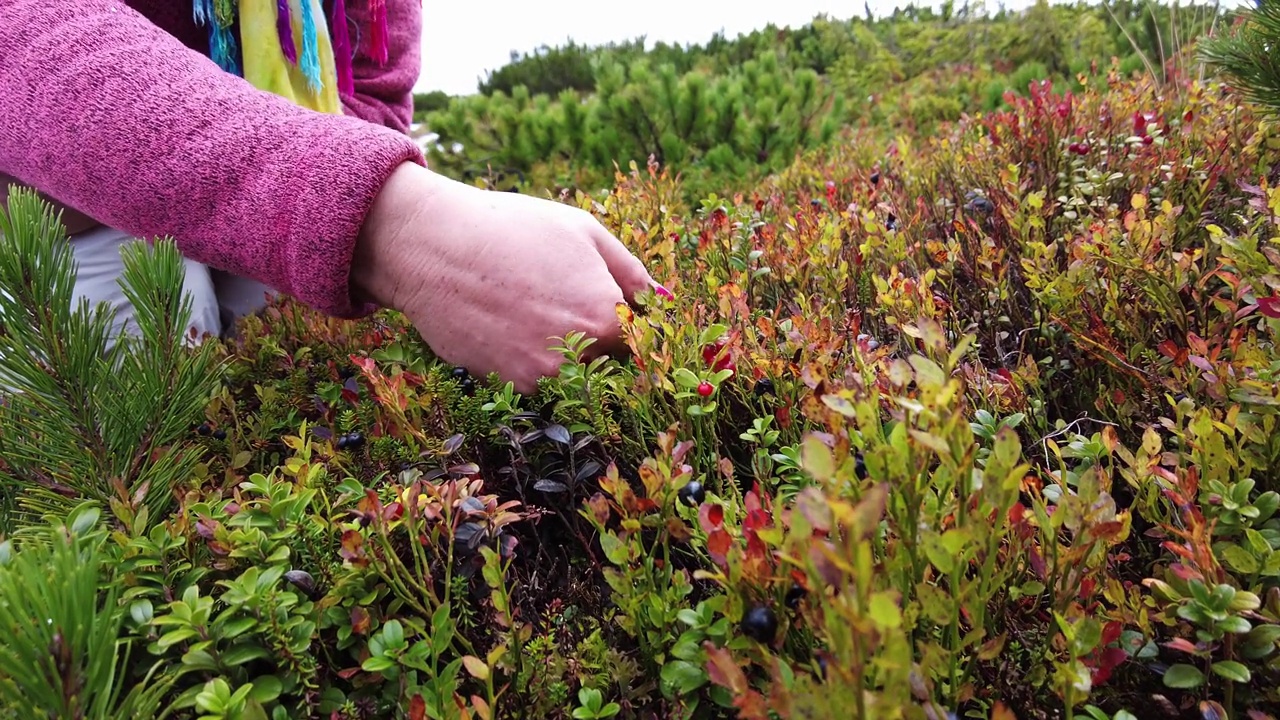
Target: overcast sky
[(463, 40)]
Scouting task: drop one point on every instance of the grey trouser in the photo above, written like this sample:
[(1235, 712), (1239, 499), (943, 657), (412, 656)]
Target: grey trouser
[(218, 298)]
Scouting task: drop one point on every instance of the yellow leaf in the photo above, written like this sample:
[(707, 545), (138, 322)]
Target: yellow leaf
[(476, 667)]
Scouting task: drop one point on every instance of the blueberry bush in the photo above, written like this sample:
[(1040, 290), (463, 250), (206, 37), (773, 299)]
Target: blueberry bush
[(976, 423)]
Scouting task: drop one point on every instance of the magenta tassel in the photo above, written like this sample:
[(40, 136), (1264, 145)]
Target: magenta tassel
[(342, 54), (378, 33), (285, 29)]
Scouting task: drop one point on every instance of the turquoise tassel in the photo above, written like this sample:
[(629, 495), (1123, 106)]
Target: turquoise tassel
[(309, 63)]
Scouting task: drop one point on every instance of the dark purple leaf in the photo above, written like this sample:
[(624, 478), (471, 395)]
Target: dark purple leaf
[(559, 433), (452, 444)]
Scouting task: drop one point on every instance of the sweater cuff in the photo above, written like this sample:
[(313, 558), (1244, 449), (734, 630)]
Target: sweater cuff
[(344, 175)]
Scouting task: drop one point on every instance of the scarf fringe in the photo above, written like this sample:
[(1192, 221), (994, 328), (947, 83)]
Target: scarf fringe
[(342, 53), (309, 64), (284, 28)]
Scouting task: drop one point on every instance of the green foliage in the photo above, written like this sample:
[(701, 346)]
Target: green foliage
[(101, 415), (946, 395), (1247, 53), (65, 652), (730, 111)]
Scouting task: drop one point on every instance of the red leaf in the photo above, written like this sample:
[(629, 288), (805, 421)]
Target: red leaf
[(417, 708), (723, 671), (1183, 645), (1270, 306), (710, 517), (718, 544), (359, 621)]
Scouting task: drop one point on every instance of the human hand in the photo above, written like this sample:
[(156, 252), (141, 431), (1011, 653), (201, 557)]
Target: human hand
[(488, 278)]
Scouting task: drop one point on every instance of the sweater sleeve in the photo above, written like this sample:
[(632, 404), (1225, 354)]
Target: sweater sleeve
[(107, 113), (384, 91)]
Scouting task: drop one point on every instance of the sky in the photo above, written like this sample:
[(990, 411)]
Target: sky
[(463, 40)]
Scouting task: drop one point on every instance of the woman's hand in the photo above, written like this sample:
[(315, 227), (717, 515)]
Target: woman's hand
[(489, 278)]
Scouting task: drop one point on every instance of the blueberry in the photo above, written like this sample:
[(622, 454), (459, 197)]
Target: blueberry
[(795, 595), (764, 386), (219, 434), (760, 624), (693, 493)]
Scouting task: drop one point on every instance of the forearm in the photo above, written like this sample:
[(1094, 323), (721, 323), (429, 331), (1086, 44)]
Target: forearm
[(105, 112)]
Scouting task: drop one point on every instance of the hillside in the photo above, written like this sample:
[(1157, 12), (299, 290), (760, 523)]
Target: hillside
[(725, 113)]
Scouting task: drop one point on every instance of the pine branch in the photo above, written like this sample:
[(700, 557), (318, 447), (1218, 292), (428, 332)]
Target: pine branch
[(1250, 56), (87, 418)]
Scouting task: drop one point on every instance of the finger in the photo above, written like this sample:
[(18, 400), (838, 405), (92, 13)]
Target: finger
[(626, 268)]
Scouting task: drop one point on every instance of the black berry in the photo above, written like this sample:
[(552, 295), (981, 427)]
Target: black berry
[(343, 442), (760, 624), (460, 373), (875, 177), (795, 595), (468, 386), (355, 440), (204, 429), (860, 467), (764, 386), (693, 493), (219, 434), (822, 667)]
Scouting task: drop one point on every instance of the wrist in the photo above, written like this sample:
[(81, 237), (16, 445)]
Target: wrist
[(379, 258)]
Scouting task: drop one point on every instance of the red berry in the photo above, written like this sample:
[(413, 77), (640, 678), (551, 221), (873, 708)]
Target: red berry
[(705, 389), (1147, 140)]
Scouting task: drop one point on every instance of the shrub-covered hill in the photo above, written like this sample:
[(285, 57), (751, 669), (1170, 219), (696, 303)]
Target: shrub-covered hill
[(973, 424), (731, 111)]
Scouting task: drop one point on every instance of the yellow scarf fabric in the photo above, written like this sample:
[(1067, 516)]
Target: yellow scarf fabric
[(292, 48)]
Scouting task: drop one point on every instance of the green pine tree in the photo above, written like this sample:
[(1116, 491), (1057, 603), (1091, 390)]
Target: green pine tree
[(83, 418), (1250, 55)]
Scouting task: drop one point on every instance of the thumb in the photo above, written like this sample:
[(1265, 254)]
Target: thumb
[(627, 270)]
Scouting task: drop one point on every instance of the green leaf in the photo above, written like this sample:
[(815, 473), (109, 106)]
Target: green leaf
[(1232, 670), (884, 610), (266, 688), (685, 378), (1239, 559), (1183, 677), (684, 676), (377, 664)]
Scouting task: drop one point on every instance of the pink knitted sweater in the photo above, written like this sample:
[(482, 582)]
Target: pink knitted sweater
[(114, 109)]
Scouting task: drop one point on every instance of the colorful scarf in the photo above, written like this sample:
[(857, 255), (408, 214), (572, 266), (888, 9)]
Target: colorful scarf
[(292, 48)]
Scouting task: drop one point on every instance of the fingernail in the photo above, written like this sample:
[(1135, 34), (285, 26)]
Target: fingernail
[(663, 292)]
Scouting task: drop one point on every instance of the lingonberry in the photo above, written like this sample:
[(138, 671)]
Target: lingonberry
[(705, 389), (760, 624), (693, 493)]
